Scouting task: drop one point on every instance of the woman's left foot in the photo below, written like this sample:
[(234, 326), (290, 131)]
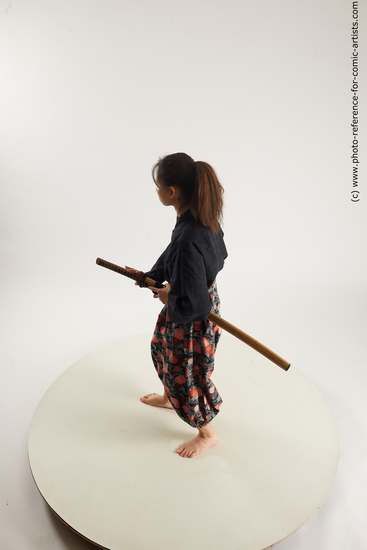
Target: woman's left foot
[(198, 445)]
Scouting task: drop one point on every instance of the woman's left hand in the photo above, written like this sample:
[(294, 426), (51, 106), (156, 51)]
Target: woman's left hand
[(161, 293)]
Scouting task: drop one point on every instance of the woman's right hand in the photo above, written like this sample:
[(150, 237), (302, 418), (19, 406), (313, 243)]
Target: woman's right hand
[(135, 272)]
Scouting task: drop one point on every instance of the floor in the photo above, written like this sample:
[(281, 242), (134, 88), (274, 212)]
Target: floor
[(44, 335)]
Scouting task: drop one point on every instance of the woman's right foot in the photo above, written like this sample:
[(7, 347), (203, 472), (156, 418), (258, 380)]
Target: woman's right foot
[(156, 400)]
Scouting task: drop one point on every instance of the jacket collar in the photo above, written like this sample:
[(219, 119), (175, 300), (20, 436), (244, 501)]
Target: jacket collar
[(184, 218)]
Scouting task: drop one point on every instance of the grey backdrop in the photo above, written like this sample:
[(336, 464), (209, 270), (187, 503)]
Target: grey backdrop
[(92, 93)]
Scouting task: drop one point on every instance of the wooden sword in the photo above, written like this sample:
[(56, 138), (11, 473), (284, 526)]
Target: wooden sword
[(282, 363)]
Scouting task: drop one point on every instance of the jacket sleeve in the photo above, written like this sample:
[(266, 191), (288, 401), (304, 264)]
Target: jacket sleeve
[(188, 299), (158, 270)]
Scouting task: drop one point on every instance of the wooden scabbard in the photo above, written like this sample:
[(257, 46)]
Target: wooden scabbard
[(282, 363)]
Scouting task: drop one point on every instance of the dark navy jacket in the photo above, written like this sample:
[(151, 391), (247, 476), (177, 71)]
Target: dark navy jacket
[(190, 264)]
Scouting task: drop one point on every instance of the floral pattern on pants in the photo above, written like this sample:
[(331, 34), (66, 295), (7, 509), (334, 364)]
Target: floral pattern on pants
[(183, 356)]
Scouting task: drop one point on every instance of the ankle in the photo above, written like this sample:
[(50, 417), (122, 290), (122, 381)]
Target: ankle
[(207, 431)]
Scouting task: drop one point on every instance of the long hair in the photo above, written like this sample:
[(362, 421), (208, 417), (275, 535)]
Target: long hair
[(198, 184)]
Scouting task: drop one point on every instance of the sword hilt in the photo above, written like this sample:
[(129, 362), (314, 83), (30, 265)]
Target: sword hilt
[(145, 283)]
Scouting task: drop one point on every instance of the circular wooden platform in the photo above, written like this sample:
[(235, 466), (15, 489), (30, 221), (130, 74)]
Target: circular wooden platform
[(105, 462)]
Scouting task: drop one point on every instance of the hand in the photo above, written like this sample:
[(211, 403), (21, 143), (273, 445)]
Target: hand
[(135, 271), (161, 293)]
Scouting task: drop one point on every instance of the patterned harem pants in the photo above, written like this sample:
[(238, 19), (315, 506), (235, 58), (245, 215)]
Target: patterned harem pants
[(183, 356)]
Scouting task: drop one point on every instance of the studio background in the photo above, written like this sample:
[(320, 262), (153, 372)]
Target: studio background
[(92, 93)]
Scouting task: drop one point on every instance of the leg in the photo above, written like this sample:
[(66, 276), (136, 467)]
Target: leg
[(206, 438), (157, 348), (210, 404)]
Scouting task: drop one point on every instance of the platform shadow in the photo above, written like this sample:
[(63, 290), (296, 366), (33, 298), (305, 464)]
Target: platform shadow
[(70, 538)]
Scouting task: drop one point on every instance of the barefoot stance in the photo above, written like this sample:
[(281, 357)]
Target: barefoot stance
[(198, 445), (206, 438), (156, 400)]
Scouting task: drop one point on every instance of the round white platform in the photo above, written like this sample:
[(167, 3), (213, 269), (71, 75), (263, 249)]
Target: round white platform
[(105, 462)]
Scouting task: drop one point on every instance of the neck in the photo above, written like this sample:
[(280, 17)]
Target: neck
[(183, 208)]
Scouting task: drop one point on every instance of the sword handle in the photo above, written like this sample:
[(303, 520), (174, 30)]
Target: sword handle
[(147, 281)]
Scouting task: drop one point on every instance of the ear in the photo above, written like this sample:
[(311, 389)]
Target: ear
[(172, 192)]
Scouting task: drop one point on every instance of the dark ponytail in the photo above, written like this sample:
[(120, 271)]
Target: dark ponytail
[(207, 199), (197, 182)]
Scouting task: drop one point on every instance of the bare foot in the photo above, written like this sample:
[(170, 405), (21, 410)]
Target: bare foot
[(156, 400), (198, 445)]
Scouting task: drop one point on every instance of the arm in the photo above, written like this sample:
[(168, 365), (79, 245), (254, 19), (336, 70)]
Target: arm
[(158, 270), (188, 298)]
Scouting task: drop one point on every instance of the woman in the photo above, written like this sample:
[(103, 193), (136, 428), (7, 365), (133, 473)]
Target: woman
[(184, 342)]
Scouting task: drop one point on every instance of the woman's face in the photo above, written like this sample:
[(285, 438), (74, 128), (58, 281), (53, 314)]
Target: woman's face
[(165, 194)]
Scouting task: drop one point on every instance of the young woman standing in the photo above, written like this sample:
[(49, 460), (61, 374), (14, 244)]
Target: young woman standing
[(184, 342)]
